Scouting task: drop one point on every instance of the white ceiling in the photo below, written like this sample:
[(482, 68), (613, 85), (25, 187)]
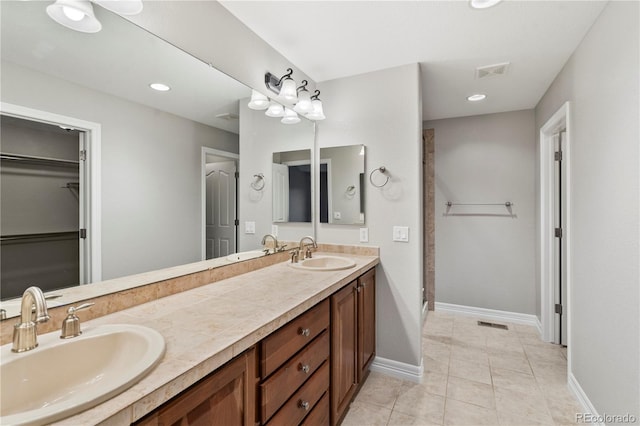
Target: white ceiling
[(334, 39), (121, 60)]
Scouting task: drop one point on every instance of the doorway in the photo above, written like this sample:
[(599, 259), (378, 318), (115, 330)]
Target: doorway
[(555, 247), (219, 203), (51, 192)]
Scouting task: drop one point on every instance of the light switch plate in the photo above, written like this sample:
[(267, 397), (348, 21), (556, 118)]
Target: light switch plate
[(401, 233), (364, 235), (274, 230), (249, 227)]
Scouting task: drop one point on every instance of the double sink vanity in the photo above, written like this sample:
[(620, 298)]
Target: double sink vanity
[(263, 341)]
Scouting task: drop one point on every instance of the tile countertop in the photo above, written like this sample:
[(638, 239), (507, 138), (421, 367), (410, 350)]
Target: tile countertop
[(208, 326)]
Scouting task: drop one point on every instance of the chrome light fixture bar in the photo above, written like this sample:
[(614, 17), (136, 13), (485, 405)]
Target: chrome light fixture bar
[(284, 86)]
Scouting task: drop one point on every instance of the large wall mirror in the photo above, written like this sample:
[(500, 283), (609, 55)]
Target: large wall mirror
[(342, 185), (156, 147)]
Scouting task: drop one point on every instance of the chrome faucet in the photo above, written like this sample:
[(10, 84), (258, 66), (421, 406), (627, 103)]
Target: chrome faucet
[(306, 254), (24, 333), (275, 243)]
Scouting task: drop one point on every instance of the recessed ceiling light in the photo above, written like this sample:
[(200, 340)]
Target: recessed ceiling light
[(483, 4), (160, 87), (476, 97)]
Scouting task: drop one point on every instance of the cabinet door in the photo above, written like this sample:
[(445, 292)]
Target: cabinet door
[(226, 397), (344, 369), (366, 322)]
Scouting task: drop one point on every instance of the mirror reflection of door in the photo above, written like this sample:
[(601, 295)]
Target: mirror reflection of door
[(41, 206), (221, 208), (280, 192)]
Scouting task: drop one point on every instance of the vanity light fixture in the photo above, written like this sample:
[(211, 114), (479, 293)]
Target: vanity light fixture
[(317, 113), (122, 7), (160, 87), (258, 101), (284, 86), (274, 110), (477, 97), (304, 105), (290, 117), (483, 4), (75, 14)]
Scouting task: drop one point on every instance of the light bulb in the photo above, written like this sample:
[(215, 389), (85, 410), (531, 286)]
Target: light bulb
[(72, 13)]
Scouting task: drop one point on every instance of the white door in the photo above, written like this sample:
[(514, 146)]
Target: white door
[(280, 193), (221, 209)]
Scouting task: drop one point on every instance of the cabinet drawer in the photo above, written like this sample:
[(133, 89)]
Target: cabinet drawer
[(304, 400), (284, 343), (276, 390), (319, 416)]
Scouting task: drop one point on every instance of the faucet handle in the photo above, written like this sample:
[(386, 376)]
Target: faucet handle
[(71, 324)]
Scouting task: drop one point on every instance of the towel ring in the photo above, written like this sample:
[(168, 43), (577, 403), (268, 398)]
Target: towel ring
[(383, 170), (259, 178)]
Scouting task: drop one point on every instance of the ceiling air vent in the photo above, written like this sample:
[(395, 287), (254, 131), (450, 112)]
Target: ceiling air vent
[(492, 70)]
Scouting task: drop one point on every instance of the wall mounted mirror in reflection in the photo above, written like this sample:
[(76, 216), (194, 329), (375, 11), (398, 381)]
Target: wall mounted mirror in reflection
[(292, 186), (342, 185)]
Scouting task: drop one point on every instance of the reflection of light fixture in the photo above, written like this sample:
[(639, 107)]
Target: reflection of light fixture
[(160, 87), (284, 86), (75, 14), (290, 117), (477, 97), (483, 4), (304, 99), (122, 7), (258, 101), (275, 110), (317, 113)]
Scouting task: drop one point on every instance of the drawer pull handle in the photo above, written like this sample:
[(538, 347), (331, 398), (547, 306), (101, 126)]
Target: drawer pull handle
[(304, 331), (304, 405), (305, 368)]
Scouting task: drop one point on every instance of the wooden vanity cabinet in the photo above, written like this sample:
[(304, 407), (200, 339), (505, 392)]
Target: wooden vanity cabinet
[(352, 341), (225, 397)]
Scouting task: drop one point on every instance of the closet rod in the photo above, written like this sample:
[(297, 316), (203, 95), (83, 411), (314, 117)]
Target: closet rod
[(38, 160), (39, 236)]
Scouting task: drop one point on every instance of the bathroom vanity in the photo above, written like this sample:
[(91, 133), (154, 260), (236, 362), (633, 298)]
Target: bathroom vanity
[(251, 343), (306, 372)]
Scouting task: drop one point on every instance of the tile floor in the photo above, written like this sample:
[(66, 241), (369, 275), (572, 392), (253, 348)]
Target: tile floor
[(473, 376)]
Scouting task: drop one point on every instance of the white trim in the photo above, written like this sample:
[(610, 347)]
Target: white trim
[(560, 119), (582, 398), (203, 193), (398, 369), (488, 314), (93, 146)]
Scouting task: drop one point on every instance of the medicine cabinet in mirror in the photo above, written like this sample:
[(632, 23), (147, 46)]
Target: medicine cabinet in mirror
[(292, 186), (342, 185)]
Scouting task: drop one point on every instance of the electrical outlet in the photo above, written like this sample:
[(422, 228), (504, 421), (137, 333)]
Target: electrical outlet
[(401, 233), (274, 230), (364, 235), (249, 227)]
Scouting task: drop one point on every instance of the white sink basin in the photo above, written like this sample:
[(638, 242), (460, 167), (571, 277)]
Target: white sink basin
[(324, 263), (62, 377), (245, 255)]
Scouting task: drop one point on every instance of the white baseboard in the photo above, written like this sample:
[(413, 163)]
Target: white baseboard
[(584, 401), (400, 370), (490, 314)]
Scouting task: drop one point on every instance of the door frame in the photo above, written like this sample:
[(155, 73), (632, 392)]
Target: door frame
[(560, 120), (203, 193), (91, 211)]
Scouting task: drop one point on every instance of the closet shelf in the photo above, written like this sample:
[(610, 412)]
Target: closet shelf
[(39, 160)]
